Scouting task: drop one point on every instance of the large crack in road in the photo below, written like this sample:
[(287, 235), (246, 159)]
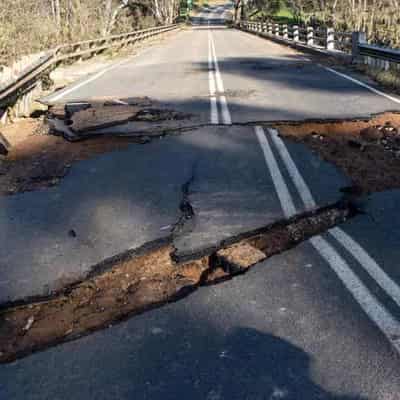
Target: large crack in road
[(337, 141), (155, 274), (136, 281)]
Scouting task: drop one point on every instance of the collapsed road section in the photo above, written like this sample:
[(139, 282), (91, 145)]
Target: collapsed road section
[(135, 281), (116, 117)]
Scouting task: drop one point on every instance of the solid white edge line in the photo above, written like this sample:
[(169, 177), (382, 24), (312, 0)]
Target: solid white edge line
[(212, 83), (368, 302), (83, 83), (226, 115), (214, 111), (294, 173), (351, 245), (368, 263), (64, 92), (120, 102), (364, 85), (280, 185), (220, 83), (388, 325), (211, 80), (210, 61)]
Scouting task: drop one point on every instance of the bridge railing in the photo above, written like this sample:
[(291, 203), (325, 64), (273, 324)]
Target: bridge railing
[(326, 40), (18, 93), (319, 38)]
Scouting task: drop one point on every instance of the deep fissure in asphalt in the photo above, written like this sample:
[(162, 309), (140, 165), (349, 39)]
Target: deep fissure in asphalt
[(136, 281)]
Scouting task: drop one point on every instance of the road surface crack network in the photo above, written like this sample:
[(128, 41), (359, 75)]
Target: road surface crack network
[(185, 207)]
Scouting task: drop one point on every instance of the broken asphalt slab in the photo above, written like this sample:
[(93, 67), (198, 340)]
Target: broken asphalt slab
[(117, 117), (113, 203), (121, 200), (232, 196)]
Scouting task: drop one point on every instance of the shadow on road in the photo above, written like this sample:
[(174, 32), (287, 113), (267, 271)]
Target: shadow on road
[(246, 364), (199, 364)]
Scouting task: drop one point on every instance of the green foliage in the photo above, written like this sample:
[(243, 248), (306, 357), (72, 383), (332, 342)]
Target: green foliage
[(277, 10), (30, 26), (200, 4)]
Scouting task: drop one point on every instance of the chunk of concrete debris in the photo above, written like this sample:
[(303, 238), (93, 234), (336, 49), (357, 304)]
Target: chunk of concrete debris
[(98, 117), (115, 117), (239, 257), (29, 324)]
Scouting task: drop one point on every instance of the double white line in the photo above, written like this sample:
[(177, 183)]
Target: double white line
[(385, 321), (216, 84)]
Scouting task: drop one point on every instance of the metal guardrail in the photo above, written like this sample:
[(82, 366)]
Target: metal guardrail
[(319, 38), (10, 91), (381, 53), (326, 39)]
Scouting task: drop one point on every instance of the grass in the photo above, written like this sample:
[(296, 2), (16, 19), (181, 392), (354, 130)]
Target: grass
[(283, 14), (389, 79), (200, 4)]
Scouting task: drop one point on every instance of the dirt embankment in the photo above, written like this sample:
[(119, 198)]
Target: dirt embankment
[(38, 160), (367, 151)]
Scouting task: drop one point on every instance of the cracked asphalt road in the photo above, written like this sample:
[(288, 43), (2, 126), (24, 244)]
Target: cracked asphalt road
[(311, 323)]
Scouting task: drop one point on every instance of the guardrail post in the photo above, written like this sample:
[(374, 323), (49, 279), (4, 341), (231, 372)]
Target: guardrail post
[(296, 35), (270, 28), (310, 35), (276, 30), (259, 26), (330, 39), (264, 27), (357, 38), (285, 32)]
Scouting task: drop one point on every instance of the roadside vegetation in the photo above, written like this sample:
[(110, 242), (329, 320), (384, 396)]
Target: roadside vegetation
[(380, 19), (29, 26)]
